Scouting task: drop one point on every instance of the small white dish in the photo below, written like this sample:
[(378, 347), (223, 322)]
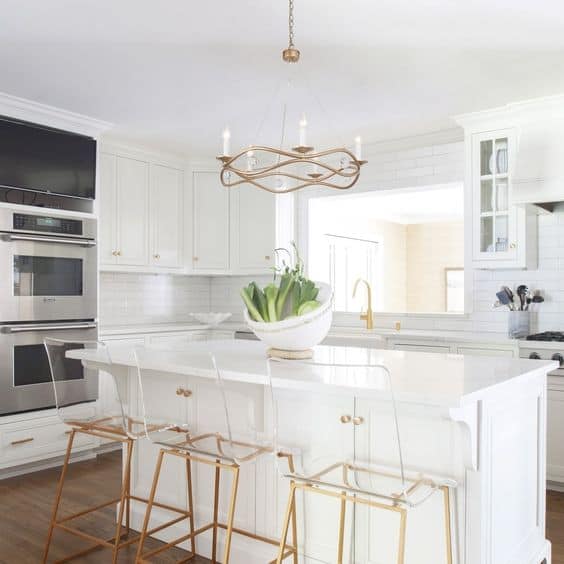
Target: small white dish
[(212, 319)]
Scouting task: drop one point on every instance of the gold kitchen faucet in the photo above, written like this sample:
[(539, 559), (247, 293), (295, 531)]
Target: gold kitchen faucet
[(368, 315)]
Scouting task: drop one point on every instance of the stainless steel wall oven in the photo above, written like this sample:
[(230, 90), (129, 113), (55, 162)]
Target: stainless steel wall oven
[(48, 287)]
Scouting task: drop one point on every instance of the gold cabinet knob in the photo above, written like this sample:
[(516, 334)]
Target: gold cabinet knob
[(512, 246), (114, 253), (346, 418), (180, 391), (118, 253), (187, 393), (267, 257), (358, 420), (157, 256), (195, 258)]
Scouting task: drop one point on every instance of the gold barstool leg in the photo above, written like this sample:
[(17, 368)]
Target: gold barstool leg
[(190, 504), (290, 510), (150, 504), (342, 528), (59, 494), (215, 511), (231, 514), (403, 523), (448, 530), (123, 499)]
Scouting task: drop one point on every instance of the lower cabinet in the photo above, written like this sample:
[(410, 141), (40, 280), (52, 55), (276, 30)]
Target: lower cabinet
[(555, 431), (36, 439), (419, 347)]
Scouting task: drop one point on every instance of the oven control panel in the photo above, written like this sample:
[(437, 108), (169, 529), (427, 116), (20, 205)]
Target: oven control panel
[(46, 224)]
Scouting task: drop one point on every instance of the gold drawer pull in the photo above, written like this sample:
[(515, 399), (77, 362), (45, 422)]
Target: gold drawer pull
[(358, 420), (183, 392), (22, 441), (346, 418)]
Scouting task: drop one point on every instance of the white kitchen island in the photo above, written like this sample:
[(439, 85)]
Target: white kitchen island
[(478, 420)]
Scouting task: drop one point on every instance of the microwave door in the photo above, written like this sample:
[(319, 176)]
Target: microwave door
[(25, 378)]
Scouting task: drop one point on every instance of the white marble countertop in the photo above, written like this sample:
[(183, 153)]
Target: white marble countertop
[(445, 380)]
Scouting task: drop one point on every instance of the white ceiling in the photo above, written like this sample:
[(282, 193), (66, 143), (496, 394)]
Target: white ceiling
[(173, 73), (422, 205)]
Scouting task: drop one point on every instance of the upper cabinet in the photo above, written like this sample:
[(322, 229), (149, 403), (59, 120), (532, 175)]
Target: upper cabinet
[(503, 235), (140, 210), (253, 229), (211, 223), (237, 229), (166, 215)]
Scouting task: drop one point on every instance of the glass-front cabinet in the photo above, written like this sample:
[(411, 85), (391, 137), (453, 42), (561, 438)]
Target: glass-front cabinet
[(499, 228)]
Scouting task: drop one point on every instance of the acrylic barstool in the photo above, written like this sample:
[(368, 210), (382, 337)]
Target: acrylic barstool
[(320, 470), (109, 421), (216, 443)]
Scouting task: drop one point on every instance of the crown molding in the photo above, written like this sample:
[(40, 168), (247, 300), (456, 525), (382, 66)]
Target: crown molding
[(50, 116), (515, 113)]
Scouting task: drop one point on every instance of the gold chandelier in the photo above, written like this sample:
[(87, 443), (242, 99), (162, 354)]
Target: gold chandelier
[(280, 170)]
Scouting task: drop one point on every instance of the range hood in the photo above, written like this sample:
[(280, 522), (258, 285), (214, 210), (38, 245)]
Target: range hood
[(538, 177)]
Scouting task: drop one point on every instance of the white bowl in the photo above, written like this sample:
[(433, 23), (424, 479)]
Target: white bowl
[(212, 319), (297, 333)]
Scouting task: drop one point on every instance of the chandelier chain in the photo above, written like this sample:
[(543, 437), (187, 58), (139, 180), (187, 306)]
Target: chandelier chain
[(291, 24)]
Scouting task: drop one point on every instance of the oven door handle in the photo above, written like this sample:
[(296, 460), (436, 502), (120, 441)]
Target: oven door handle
[(46, 327), (40, 239)]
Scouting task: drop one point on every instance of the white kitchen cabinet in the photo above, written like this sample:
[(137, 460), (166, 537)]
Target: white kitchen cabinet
[(132, 196), (165, 216), (502, 235), (141, 212), (555, 433), (124, 204), (253, 229), (211, 223)]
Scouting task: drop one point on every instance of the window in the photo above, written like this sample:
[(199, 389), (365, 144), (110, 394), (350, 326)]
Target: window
[(408, 244)]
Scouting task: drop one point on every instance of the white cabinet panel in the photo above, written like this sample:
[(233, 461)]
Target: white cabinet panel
[(211, 223), (253, 229), (107, 208), (132, 209), (555, 438), (166, 216)]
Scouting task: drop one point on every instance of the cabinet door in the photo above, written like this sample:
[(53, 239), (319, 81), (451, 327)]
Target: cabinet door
[(253, 229), (498, 227), (132, 208), (107, 208), (211, 223), (555, 436), (166, 216)]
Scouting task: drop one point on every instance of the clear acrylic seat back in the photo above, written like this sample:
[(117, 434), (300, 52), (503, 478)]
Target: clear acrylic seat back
[(67, 376)]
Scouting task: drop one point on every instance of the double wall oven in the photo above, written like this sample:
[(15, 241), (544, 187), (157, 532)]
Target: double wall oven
[(48, 288)]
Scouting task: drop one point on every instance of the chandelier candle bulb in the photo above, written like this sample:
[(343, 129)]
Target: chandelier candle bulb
[(250, 160), (303, 131), (226, 142), (358, 148)]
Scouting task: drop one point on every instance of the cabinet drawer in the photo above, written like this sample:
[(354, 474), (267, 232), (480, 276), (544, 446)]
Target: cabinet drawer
[(38, 439), (420, 348), (476, 351)]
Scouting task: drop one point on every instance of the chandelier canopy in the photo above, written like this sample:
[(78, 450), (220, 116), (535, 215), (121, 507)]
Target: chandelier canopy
[(280, 170)]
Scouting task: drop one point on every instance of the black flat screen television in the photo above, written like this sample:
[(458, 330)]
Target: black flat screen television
[(40, 159)]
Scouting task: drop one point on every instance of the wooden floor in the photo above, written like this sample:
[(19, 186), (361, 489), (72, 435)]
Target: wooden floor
[(25, 508)]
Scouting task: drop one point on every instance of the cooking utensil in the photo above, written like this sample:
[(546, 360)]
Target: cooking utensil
[(509, 293), (522, 292), (503, 298)]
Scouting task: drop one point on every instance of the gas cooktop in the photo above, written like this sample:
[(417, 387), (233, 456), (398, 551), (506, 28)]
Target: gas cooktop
[(547, 336)]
